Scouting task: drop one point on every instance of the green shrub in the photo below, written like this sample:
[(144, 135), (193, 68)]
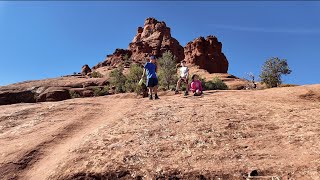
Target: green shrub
[(118, 79), (97, 91), (209, 85), (74, 94), (133, 78), (219, 84), (96, 74), (203, 82), (288, 85), (215, 84), (127, 60)]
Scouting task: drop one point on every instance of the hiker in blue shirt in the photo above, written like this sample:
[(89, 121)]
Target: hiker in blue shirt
[(150, 69)]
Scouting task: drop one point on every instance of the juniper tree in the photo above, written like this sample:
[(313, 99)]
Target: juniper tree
[(272, 70), (167, 71)]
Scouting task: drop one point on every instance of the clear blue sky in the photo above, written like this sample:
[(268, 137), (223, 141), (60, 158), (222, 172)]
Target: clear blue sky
[(49, 39)]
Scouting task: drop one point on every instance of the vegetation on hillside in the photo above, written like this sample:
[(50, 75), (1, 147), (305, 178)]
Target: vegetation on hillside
[(96, 74), (118, 79), (133, 78), (167, 74), (272, 71), (167, 70)]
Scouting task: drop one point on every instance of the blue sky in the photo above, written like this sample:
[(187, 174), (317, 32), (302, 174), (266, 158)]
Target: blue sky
[(48, 39)]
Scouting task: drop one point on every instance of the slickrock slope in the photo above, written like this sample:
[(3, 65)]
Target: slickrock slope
[(224, 134)]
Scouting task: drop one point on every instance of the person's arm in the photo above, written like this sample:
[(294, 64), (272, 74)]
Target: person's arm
[(156, 66), (144, 73), (192, 86)]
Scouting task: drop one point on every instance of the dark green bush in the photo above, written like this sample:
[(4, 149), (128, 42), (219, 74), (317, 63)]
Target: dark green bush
[(118, 79), (97, 91), (127, 60), (209, 85), (219, 84), (215, 84), (74, 94), (133, 78), (96, 74), (203, 82)]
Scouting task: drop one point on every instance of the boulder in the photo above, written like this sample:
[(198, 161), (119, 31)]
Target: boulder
[(87, 93), (85, 70), (12, 97), (54, 94)]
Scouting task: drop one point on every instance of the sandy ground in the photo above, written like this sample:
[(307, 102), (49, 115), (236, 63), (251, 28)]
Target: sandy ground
[(224, 134)]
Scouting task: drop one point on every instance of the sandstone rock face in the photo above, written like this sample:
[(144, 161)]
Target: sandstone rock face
[(54, 94), (114, 59), (154, 38), (53, 89), (207, 54), (85, 70), (87, 93), (12, 97)]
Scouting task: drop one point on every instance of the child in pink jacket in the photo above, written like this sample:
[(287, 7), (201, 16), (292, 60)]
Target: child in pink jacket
[(196, 86)]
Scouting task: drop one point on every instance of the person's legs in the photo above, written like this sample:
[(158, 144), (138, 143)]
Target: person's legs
[(155, 88), (187, 87), (150, 92), (150, 87), (197, 93), (178, 85)]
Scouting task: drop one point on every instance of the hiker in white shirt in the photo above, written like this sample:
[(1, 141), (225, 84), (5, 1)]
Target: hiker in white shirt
[(184, 76)]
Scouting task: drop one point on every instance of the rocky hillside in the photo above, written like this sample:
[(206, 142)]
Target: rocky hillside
[(203, 56), (273, 134)]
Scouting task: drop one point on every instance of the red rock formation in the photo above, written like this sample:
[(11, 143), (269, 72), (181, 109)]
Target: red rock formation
[(114, 59), (207, 54), (154, 38)]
